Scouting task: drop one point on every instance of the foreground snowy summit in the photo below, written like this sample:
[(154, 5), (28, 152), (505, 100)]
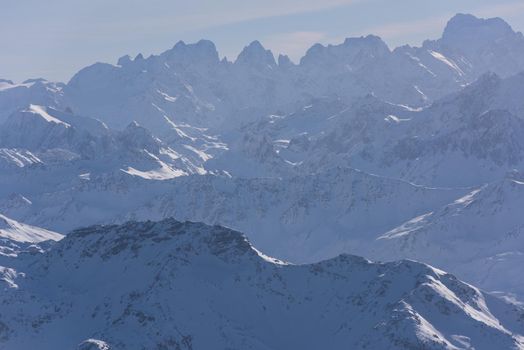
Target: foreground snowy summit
[(183, 285)]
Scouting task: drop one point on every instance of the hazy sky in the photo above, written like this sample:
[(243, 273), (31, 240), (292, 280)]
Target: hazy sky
[(55, 38)]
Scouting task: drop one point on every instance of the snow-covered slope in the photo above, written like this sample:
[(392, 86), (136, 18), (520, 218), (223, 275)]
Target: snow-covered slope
[(20, 232), (17, 238), (14, 96), (302, 218), (473, 46), (323, 214), (465, 139), (191, 286), (189, 84), (66, 143), (315, 209), (479, 237), (269, 147), (196, 104)]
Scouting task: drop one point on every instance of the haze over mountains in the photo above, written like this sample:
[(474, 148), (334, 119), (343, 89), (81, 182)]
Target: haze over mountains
[(415, 152), (173, 285)]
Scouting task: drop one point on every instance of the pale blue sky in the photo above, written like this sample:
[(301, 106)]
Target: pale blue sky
[(55, 38)]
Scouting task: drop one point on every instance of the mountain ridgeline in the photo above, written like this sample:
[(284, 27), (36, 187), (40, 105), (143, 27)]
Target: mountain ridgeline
[(182, 285), (357, 149)]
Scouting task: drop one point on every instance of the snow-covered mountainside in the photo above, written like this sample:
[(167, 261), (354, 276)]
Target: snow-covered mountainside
[(308, 218), (174, 285), (20, 232), (190, 84), (479, 236), (61, 141), (464, 139), (18, 238), (209, 112), (324, 214), (357, 149), (14, 97)]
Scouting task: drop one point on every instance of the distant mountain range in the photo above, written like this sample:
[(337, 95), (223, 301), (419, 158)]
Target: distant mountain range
[(415, 152), (177, 285)]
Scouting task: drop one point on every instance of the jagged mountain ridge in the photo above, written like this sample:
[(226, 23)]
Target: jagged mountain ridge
[(14, 97), (489, 109), (189, 83), (194, 102), (276, 141), (64, 142), (304, 219), (464, 139), (188, 285)]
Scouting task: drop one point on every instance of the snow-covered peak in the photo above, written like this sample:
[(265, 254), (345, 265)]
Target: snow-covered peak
[(489, 92), (34, 128), (202, 52), (17, 96), (19, 232), (284, 62), (124, 60), (187, 238), (473, 46), (465, 28), (188, 84), (131, 286), (41, 112), (479, 236), (6, 84), (136, 137), (353, 51), (255, 55), (39, 128), (373, 44)]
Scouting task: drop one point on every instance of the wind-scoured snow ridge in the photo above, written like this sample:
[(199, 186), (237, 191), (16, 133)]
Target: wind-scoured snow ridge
[(42, 113), (14, 97), (172, 284), (17, 238), (20, 232)]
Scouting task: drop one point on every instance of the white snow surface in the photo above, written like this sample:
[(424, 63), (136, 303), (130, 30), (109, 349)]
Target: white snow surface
[(191, 286), (41, 112), (20, 232), (413, 152)]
